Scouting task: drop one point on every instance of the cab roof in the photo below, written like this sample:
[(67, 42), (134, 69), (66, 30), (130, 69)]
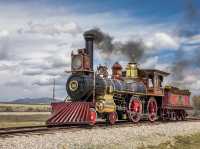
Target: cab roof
[(153, 71)]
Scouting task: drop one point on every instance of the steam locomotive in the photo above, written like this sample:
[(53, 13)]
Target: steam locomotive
[(129, 94)]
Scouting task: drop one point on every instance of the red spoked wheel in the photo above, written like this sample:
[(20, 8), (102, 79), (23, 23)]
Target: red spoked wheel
[(112, 117), (92, 117), (183, 115), (164, 114), (135, 109), (178, 116), (152, 109)]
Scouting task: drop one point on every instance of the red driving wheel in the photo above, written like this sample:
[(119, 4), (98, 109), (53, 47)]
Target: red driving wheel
[(135, 109), (112, 117), (152, 109)]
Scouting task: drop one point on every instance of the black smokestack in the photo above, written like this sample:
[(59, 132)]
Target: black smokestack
[(89, 38)]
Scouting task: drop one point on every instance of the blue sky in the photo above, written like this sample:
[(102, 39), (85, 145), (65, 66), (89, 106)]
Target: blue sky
[(143, 8), (37, 37), (155, 9)]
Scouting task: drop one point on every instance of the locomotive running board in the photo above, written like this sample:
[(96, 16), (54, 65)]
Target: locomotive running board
[(64, 113)]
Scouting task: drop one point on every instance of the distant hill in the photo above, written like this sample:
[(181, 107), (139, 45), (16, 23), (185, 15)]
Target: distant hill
[(43, 100)]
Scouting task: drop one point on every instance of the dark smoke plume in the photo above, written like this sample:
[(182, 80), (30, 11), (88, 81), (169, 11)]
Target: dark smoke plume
[(133, 50), (189, 27)]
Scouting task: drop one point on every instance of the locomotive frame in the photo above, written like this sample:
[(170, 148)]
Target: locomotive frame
[(133, 94)]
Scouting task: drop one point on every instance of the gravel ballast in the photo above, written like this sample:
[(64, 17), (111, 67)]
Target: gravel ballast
[(112, 137)]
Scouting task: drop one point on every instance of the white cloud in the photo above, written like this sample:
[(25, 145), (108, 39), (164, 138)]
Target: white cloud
[(155, 63), (32, 72), (150, 62), (43, 81), (162, 40), (195, 39), (8, 65), (4, 33), (52, 29)]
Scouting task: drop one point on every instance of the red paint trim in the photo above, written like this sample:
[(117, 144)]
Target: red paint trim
[(72, 113)]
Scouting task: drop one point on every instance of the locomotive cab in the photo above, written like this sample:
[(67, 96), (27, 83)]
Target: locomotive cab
[(153, 79)]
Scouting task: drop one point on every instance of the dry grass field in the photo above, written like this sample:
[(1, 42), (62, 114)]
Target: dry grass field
[(24, 108), (14, 115)]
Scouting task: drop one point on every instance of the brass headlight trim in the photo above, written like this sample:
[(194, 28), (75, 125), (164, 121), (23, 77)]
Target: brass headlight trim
[(73, 85)]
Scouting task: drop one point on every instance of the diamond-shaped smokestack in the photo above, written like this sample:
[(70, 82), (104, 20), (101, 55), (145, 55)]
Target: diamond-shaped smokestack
[(89, 38)]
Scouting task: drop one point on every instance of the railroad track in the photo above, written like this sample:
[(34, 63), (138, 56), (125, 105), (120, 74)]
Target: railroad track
[(43, 129), (38, 130), (13, 130)]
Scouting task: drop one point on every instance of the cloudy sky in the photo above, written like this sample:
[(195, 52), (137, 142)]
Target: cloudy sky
[(37, 37)]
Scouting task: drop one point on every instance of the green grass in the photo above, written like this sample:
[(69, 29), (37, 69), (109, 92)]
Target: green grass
[(24, 108), (180, 142)]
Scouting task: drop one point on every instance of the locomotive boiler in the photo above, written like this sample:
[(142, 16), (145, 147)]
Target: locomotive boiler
[(127, 94), (81, 87)]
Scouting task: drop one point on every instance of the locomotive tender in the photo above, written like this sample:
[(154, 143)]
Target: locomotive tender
[(131, 94)]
